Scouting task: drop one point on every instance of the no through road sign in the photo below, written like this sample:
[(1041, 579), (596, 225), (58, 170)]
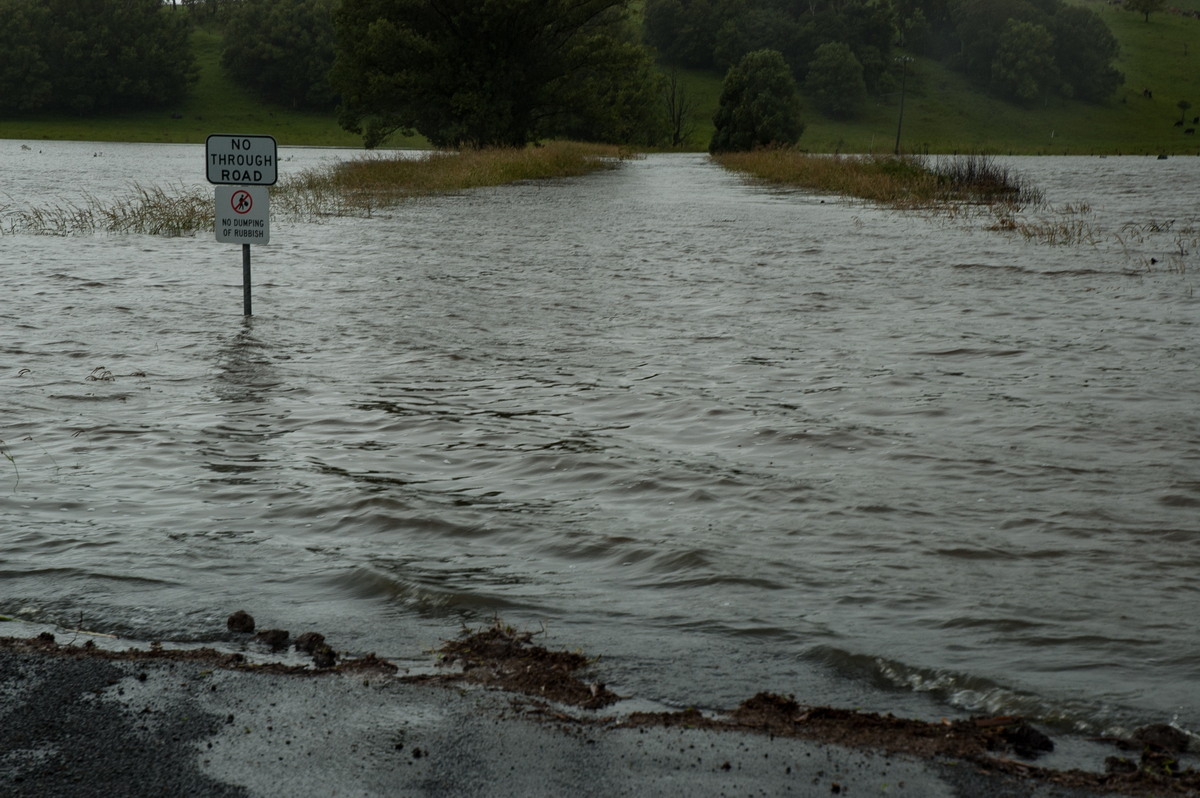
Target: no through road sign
[(241, 160)]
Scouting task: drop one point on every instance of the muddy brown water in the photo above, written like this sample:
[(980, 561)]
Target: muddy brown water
[(727, 437)]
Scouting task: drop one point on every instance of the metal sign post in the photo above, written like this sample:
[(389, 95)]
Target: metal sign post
[(246, 306), (243, 216), (242, 167)]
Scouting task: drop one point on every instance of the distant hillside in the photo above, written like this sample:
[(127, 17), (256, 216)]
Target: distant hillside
[(943, 112)]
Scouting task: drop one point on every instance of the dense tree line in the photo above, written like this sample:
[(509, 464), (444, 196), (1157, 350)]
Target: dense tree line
[(459, 72), (496, 73), (1020, 49), (84, 56), (282, 50), (489, 72), (715, 34)]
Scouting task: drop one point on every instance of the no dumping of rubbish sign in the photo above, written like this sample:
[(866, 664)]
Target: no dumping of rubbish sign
[(242, 215)]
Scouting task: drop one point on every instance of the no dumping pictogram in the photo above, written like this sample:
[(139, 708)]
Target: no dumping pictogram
[(241, 201)]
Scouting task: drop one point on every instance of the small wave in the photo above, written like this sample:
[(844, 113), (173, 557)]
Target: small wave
[(91, 397), (968, 553), (1001, 625), (1179, 500), (434, 594), (1003, 267), (92, 578), (974, 694), (1070, 272), (654, 560), (966, 351), (715, 580)]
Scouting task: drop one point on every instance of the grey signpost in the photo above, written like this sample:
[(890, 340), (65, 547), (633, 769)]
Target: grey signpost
[(242, 167)]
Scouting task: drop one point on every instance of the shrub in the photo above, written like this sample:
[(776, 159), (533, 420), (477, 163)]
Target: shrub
[(759, 105)]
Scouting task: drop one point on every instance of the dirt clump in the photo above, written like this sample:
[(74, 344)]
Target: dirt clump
[(241, 622), (985, 742), (500, 656), (275, 639), (47, 644), (309, 642)]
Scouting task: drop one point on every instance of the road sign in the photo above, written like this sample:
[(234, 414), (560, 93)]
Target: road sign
[(243, 215), (241, 160)]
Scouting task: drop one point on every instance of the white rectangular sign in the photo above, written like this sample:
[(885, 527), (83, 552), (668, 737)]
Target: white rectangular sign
[(243, 214), (241, 160)]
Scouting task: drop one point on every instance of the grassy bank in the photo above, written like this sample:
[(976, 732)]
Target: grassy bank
[(908, 182), (969, 189), (361, 186), (358, 187)]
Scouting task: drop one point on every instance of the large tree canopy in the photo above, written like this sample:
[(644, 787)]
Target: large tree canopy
[(717, 33), (1085, 50), (24, 68), (1023, 67), (283, 50), (835, 81), (88, 56), (488, 73)]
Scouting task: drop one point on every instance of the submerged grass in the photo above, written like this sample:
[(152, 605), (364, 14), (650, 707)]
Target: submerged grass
[(967, 188), (904, 182), (352, 188), (365, 184)]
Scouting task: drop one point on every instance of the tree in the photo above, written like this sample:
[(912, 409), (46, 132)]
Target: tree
[(210, 7), (756, 29), (89, 56), (1024, 67), (835, 81), (1084, 49), (1145, 7), (24, 74), (683, 31), (486, 73), (869, 28), (615, 106), (680, 107), (759, 105), (979, 25), (282, 50)]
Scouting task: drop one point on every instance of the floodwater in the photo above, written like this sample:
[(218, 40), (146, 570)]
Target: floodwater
[(726, 437)]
